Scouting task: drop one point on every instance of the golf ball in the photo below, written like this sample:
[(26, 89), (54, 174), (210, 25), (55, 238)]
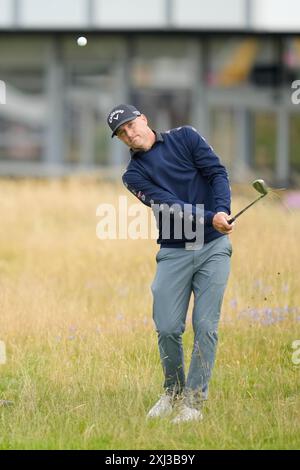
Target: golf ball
[(82, 41)]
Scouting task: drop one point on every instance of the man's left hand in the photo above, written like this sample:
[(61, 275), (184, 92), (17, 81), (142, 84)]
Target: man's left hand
[(220, 223)]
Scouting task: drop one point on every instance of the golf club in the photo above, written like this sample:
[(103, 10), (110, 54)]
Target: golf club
[(262, 188)]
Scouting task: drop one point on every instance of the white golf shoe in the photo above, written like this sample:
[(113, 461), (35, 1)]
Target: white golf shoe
[(162, 408), (187, 414)]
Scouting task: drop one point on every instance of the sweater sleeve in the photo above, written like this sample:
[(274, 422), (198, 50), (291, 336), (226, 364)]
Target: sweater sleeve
[(149, 193), (211, 168)]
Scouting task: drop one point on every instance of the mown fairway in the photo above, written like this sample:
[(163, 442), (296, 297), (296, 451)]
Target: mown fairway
[(76, 317)]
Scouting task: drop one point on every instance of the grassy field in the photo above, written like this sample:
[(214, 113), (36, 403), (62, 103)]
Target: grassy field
[(76, 317)]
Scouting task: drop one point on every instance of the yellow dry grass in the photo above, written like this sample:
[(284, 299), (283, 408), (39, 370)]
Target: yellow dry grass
[(82, 362)]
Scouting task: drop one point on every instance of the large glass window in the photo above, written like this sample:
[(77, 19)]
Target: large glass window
[(291, 57), (295, 147), (93, 81), (240, 61), (87, 135), (162, 76), (164, 109), (264, 143), (23, 116), (222, 132)]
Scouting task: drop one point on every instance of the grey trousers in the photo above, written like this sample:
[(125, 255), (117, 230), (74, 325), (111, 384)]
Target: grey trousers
[(179, 273)]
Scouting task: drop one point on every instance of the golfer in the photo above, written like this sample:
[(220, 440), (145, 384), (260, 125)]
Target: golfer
[(179, 168)]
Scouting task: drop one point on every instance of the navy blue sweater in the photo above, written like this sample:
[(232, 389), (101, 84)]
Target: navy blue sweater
[(180, 168)]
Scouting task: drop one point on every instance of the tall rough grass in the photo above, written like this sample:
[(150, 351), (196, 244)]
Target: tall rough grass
[(76, 317)]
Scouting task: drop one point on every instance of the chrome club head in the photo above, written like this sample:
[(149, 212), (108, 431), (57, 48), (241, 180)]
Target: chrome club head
[(260, 186)]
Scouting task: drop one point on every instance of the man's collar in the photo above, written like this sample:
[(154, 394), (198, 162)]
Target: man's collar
[(158, 138)]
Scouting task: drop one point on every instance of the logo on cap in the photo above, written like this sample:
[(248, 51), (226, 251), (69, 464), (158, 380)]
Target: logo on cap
[(115, 115)]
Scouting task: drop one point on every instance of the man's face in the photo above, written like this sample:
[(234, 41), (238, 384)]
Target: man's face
[(134, 133)]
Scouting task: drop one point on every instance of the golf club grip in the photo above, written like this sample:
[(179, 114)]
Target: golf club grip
[(231, 220)]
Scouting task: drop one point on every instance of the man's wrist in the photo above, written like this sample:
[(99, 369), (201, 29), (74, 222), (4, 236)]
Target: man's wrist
[(223, 209)]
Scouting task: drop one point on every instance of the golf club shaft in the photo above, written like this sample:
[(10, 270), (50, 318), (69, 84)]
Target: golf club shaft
[(241, 212)]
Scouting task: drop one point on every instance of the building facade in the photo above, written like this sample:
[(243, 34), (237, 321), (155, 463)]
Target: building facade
[(229, 68)]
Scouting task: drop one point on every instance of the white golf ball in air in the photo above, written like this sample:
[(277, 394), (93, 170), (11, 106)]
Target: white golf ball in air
[(82, 41)]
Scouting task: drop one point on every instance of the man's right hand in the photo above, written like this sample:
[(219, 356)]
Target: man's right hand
[(220, 223)]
